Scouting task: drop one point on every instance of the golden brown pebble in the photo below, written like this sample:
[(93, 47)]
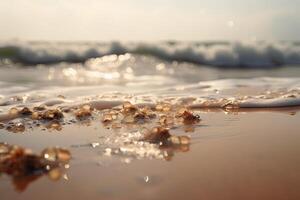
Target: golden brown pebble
[(174, 140), (13, 111), (54, 125), (84, 111), (163, 107), (187, 116), (36, 116), (55, 174), (52, 114), (167, 108), (184, 140), (25, 111), (39, 108), (61, 96), (179, 140), (147, 112), (107, 118), (166, 120), (2, 126), (20, 162), (129, 108), (159, 107)]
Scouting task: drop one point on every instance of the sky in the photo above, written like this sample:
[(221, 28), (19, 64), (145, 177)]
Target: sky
[(150, 20)]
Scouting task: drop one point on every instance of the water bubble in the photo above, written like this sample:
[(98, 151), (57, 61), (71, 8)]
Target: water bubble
[(108, 151), (146, 179), (95, 144), (56, 154), (65, 176)]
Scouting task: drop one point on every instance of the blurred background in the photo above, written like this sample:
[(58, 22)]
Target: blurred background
[(142, 20), (145, 44)]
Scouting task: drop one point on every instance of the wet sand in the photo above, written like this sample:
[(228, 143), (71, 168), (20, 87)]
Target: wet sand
[(248, 154)]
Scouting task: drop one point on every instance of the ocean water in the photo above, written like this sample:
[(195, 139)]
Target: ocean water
[(197, 74)]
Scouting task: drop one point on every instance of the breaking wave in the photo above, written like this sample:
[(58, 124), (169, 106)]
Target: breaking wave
[(221, 54)]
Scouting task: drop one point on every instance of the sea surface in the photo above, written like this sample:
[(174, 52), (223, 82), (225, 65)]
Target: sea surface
[(259, 74)]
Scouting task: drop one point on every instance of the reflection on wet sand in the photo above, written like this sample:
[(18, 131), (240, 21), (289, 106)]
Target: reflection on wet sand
[(170, 150), (212, 153), (21, 183), (144, 132), (25, 167)]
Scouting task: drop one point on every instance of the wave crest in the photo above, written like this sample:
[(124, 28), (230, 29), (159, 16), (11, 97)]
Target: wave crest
[(220, 54)]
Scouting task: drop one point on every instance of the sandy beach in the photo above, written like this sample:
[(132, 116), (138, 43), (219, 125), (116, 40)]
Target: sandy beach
[(246, 154)]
